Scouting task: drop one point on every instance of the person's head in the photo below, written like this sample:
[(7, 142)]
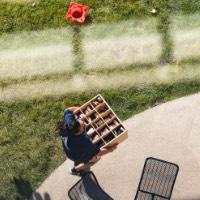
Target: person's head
[(69, 125), (69, 120)]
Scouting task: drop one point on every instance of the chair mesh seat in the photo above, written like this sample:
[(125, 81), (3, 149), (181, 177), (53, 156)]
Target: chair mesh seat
[(157, 180), (88, 188)]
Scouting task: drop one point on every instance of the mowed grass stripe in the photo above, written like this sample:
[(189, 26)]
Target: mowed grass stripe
[(98, 81), (42, 60), (29, 62)]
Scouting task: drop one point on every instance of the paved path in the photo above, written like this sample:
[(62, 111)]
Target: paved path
[(170, 132)]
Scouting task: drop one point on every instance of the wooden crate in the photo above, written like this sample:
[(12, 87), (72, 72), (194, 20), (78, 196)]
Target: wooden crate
[(102, 124)]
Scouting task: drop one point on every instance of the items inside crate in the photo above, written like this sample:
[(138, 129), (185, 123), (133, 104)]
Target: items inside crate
[(102, 124)]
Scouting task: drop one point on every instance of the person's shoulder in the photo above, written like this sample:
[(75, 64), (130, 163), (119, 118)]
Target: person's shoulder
[(67, 110)]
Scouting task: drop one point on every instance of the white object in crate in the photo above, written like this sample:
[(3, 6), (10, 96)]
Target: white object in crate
[(102, 124)]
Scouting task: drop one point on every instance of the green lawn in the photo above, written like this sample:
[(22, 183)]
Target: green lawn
[(30, 149), (16, 16)]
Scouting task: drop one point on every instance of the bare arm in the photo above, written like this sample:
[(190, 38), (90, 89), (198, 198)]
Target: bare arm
[(103, 151), (73, 109), (106, 150)]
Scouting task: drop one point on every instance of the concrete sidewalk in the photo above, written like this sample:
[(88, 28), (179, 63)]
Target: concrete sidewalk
[(170, 132)]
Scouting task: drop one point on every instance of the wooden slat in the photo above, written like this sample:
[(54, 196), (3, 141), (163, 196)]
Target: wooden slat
[(117, 138)]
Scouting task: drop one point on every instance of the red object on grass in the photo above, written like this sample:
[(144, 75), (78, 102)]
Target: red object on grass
[(77, 12)]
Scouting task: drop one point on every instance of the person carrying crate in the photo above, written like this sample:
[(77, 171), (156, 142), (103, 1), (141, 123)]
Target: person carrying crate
[(78, 145)]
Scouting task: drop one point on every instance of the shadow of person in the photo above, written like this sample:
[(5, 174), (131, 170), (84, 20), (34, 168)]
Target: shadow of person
[(38, 196), (25, 191), (46, 196), (23, 188)]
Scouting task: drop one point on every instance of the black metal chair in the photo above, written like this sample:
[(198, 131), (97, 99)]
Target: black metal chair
[(88, 188), (157, 180)]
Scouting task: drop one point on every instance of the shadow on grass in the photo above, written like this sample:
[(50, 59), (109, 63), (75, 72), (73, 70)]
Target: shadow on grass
[(23, 188), (192, 61), (25, 191)]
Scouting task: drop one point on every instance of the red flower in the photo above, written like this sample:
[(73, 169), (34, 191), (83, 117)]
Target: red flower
[(77, 12)]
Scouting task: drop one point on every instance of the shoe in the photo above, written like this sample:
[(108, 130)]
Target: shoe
[(80, 173), (73, 172)]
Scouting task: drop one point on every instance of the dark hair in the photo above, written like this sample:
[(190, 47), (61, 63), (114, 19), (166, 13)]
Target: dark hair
[(75, 128), (59, 125), (65, 130)]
